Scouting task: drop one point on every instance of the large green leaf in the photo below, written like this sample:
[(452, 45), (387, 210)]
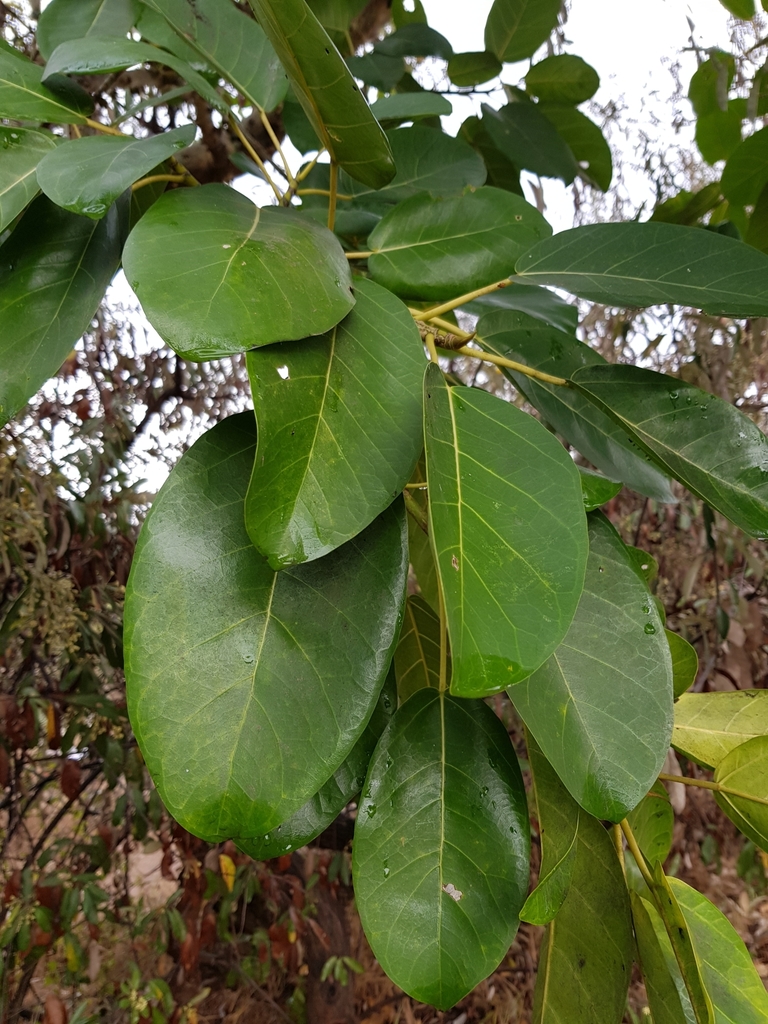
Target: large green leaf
[(585, 140), (516, 28), (586, 956), (596, 489), (685, 662), (87, 175), (652, 823), (23, 97), (508, 527), (327, 91), (709, 725), (667, 998), (217, 275), (22, 149), (54, 270), (417, 657), (601, 706), (746, 173), (590, 430), (324, 807), (415, 40), (653, 263), (440, 858), (474, 68), (232, 43), (336, 14), (248, 688), (74, 19), (410, 106), (438, 248), (539, 303), (718, 133), (705, 443), (737, 993), (562, 78), (339, 427), (530, 140), (744, 774)]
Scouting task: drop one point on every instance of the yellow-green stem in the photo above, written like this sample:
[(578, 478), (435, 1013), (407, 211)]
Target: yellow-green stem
[(235, 125), (716, 787), (178, 178), (359, 255), (320, 192), (488, 357), (429, 341), (618, 842), (462, 300), (107, 129), (305, 171), (637, 854), (443, 640), (276, 143), (332, 195)]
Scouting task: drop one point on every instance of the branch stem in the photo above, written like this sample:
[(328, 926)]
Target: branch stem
[(180, 179), (359, 255), (462, 300), (320, 192), (332, 195), (276, 143), (629, 835), (235, 125), (488, 357), (716, 787)]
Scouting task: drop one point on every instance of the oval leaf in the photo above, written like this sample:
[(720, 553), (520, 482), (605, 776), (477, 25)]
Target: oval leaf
[(74, 19), (204, 261), (22, 150), (562, 78), (327, 91), (417, 656), (652, 823), (746, 173), (474, 68), (410, 106), (601, 707), (641, 265), (87, 175), (709, 725), (596, 489), (216, 688), (441, 764), (23, 97), (743, 773), (585, 140), (685, 663), (666, 993), (529, 139), (339, 416), (515, 29), (705, 443), (437, 248), (508, 527)]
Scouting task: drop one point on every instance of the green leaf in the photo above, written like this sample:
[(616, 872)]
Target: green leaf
[(232, 43), (516, 28), (474, 68), (744, 773), (734, 985), (438, 248), (153, 28), (586, 957), (718, 133), (222, 653), (326, 90), (415, 40), (419, 548), (508, 527), (641, 265), (596, 489), (502, 173), (324, 807), (585, 140), (562, 78), (744, 9), (685, 663), (339, 427), (441, 842), (702, 441), (417, 657), (709, 725), (710, 83), (746, 173), (204, 261), (336, 14), (410, 106), (757, 230), (519, 337), (378, 70), (87, 175), (688, 207), (661, 975), (539, 303), (652, 822), (75, 19), (54, 270), (601, 707), (22, 150), (23, 97), (530, 140)]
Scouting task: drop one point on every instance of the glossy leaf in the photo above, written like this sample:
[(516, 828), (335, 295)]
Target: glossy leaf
[(474, 68), (539, 303), (22, 149), (23, 97), (667, 1003), (596, 489), (734, 985), (321, 810), (601, 706), (339, 423), (75, 19), (419, 549), (326, 90), (586, 957), (585, 140), (530, 140), (746, 173), (246, 703), (54, 270), (709, 725), (641, 265), (705, 443), (590, 430), (516, 28), (410, 106), (508, 528), (438, 248), (685, 662), (744, 774), (232, 43), (87, 175), (204, 261), (442, 843), (502, 173), (417, 657), (562, 78), (652, 823)]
